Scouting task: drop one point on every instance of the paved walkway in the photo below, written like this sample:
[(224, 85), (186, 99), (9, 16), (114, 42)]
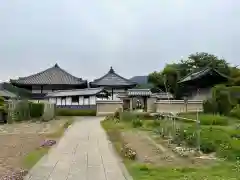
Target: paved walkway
[(83, 153)]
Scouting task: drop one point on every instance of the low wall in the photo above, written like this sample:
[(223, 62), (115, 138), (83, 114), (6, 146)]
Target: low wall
[(108, 107), (177, 106)]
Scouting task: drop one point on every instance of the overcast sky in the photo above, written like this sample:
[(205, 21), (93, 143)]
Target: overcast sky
[(86, 37)]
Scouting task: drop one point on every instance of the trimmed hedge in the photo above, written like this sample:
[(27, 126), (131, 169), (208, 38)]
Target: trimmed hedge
[(36, 109), (75, 112)]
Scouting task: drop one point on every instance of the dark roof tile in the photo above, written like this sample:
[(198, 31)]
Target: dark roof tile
[(112, 79), (53, 75)]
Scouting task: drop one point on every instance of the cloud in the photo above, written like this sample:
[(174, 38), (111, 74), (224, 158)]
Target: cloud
[(134, 36)]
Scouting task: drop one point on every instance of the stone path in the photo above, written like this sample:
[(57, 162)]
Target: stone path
[(83, 153)]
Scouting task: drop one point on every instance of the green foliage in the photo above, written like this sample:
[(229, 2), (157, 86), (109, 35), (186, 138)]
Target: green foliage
[(223, 103), (74, 112), (1, 101), (173, 72), (128, 116), (137, 123), (22, 111), (207, 119), (18, 91), (210, 106), (36, 109), (222, 97), (235, 112), (116, 114)]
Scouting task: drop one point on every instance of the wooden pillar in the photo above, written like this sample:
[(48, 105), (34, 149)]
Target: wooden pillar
[(131, 104), (145, 103), (112, 93)]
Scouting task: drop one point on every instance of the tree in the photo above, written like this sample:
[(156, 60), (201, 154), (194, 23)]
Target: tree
[(172, 73), (201, 60), (156, 78)]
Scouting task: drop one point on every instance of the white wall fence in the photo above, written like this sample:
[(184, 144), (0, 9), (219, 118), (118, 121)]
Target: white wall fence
[(177, 106)]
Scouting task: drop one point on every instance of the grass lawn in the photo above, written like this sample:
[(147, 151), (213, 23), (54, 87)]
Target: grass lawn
[(165, 170), (33, 157)]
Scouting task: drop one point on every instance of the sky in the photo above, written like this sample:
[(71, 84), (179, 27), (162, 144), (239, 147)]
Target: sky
[(135, 37)]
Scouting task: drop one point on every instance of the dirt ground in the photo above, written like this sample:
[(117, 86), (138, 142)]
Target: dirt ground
[(17, 140), (14, 147), (157, 153)]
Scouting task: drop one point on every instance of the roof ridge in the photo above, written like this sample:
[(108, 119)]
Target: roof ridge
[(112, 71), (189, 74), (53, 67)]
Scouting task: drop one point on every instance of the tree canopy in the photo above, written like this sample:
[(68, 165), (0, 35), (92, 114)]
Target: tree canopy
[(168, 77)]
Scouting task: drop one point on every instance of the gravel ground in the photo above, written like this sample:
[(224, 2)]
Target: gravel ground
[(17, 140)]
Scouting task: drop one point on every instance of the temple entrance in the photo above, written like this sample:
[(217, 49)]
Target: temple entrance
[(126, 104), (136, 99)]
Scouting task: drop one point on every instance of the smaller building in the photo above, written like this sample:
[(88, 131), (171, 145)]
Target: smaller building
[(78, 98), (113, 83), (197, 85), (141, 98)]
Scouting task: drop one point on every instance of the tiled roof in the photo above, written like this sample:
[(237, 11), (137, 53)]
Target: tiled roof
[(53, 75), (199, 74), (139, 92), (112, 79), (163, 95), (76, 92)]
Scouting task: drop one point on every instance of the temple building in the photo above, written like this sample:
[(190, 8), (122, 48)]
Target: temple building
[(77, 98), (197, 85), (49, 80), (113, 83)]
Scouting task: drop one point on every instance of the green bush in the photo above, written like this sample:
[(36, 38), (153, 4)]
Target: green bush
[(210, 106), (36, 110), (224, 99), (22, 111), (137, 123), (117, 114), (75, 112), (235, 112)]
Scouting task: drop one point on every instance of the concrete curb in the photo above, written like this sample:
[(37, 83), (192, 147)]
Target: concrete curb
[(125, 172)]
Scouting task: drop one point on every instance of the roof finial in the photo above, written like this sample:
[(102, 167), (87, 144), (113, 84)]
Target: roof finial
[(56, 65), (111, 70)]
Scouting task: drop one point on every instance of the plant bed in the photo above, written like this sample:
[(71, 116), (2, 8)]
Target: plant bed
[(159, 161)]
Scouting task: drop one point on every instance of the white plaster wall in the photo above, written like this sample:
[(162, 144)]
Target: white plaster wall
[(52, 100), (68, 101), (59, 101), (47, 90), (64, 101), (92, 100), (202, 94), (80, 100), (86, 101), (36, 91)]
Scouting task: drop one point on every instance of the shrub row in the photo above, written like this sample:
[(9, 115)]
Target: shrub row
[(74, 112), (26, 110)]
